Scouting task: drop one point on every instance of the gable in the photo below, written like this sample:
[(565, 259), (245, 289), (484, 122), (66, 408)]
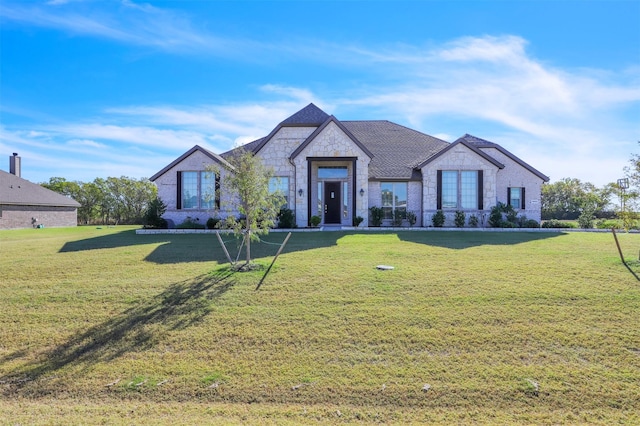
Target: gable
[(203, 157), (332, 139)]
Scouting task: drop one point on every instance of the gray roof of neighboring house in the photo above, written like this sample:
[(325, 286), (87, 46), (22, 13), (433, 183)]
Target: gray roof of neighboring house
[(15, 190), (481, 143)]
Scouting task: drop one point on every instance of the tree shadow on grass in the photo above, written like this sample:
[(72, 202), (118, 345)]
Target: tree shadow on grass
[(202, 247), (181, 305), (459, 240)]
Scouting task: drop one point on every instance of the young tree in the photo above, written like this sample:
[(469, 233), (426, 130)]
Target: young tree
[(258, 207)]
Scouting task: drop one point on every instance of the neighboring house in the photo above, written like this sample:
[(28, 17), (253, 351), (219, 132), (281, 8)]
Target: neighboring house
[(337, 170), (25, 205)]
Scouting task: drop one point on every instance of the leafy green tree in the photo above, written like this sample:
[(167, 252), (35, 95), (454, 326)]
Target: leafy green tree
[(569, 198), (257, 206)]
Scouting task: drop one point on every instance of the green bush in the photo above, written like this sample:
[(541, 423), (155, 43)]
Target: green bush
[(286, 218), (473, 221), (398, 217), (460, 219), (530, 223), (152, 216), (412, 218), (376, 215), (357, 221), (190, 224), (495, 217), (555, 223), (212, 222), (608, 224), (315, 221), (438, 219), (586, 218)]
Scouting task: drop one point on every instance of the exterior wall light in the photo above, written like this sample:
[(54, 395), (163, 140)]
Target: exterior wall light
[(300, 192), (362, 192)]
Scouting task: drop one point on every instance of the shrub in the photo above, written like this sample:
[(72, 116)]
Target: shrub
[(286, 218), (376, 215), (152, 216), (315, 221), (398, 217), (190, 224), (608, 224), (555, 223), (586, 218), (495, 217), (473, 221), (530, 223), (438, 219), (212, 222), (460, 219), (412, 218), (358, 220)]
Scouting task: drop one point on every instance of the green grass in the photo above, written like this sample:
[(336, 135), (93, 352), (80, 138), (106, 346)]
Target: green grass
[(102, 325)]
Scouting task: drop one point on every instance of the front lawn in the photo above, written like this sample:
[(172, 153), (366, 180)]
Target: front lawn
[(102, 325)]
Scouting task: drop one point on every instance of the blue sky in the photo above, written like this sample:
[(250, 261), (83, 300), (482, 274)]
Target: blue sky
[(121, 88)]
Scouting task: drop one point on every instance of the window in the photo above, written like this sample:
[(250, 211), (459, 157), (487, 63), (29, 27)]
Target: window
[(198, 190), (515, 198), (280, 184), (328, 172), (460, 189), (394, 197)]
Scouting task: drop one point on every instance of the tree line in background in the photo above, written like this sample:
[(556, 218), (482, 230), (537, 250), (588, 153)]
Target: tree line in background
[(112, 200)]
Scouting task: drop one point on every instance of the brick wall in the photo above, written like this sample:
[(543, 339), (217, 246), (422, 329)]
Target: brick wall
[(16, 217)]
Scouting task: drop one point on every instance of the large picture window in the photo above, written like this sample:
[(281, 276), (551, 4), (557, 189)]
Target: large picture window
[(280, 184), (460, 189), (394, 197), (198, 190)]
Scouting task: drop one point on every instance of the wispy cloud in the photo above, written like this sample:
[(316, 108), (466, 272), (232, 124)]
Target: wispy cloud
[(125, 21)]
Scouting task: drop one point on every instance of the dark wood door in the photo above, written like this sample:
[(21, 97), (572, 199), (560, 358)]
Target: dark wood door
[(332, 202)]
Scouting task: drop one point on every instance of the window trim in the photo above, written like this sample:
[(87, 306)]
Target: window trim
[(393, 200), (522, 203), (200, 198), (479, 190)]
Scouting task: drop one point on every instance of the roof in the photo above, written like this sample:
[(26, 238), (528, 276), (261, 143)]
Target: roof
[(396, 149), (481, 143), (15, 190), (206, 152), (310, 115), (469, 146)]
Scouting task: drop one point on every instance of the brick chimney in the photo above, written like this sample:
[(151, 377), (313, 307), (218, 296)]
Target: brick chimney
[(14, 164)]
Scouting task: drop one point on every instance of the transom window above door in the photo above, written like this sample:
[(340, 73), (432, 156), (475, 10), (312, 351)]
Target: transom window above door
[(333, 172)]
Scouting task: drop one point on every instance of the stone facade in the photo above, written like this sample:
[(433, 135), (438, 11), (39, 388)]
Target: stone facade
[(458, 159), (167, 185), (365, 154), (16, 217)]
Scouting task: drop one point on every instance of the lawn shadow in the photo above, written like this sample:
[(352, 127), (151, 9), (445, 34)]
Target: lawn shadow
[(460, 240), (180, 306), (203, 247)]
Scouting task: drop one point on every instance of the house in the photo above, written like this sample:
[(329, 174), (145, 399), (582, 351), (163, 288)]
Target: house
[(337, 170), (24, 204)]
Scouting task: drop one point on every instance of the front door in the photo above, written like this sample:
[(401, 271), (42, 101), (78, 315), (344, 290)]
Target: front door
[(332, 202)]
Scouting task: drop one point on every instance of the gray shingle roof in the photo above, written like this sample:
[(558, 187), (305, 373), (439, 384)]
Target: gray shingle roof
[(481, 143), (17, 191), (310, 115), (397, 150)]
